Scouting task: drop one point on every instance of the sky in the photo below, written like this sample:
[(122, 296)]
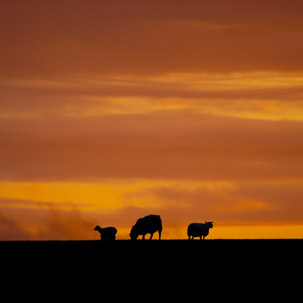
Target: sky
[(113, 110)]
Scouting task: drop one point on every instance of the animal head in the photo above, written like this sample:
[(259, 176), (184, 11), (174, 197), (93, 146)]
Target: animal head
[(98, 228), (133, 233), (209, 224)]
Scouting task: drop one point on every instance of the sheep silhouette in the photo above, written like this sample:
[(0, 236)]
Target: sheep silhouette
[(198, 230), (151, 224), (147, 225), (107, 233)]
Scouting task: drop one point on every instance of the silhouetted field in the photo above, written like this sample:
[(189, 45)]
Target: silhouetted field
[(166, 267)]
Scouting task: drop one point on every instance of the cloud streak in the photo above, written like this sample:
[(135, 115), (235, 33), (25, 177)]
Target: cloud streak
[(166, 145), (31, 220), (88, 38), (266, 96)]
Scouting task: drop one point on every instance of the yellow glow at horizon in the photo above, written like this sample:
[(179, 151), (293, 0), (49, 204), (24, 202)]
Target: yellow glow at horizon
[(257, 231), (107, 195)]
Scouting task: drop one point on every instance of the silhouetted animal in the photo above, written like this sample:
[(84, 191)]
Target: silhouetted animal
[(199, 230), (147, 225), (107, 233)]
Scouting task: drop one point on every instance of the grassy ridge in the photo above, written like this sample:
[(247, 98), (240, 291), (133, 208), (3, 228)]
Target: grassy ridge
[(166, 265)]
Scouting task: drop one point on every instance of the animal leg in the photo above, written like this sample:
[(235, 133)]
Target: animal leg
[(201, 238), (143, 237), (151, 236), (159, 235)]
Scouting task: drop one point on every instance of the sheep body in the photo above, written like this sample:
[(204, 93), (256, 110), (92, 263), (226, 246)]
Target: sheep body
[(198, 230), (147, 225), (107, 233)]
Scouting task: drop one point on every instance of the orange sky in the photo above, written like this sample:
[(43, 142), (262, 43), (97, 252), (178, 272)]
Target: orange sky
[(110, 111)]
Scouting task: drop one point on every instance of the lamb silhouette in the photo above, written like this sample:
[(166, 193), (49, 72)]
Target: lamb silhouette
[(147, 225), (198, 230), (107, 233)]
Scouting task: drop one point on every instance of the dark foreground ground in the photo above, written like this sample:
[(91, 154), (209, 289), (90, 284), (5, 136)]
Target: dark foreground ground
[(167, 269)]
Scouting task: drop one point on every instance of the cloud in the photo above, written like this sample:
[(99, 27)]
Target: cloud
[(179, 202), (67, 225), (149, 38), (12, 230), (238, 203), (162, 145), (22, 222), (269, 96)]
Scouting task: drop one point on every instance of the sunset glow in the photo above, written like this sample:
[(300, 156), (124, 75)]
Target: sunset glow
[(192, 110)]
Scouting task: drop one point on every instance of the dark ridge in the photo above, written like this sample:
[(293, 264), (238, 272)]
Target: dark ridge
[(167, 267)]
